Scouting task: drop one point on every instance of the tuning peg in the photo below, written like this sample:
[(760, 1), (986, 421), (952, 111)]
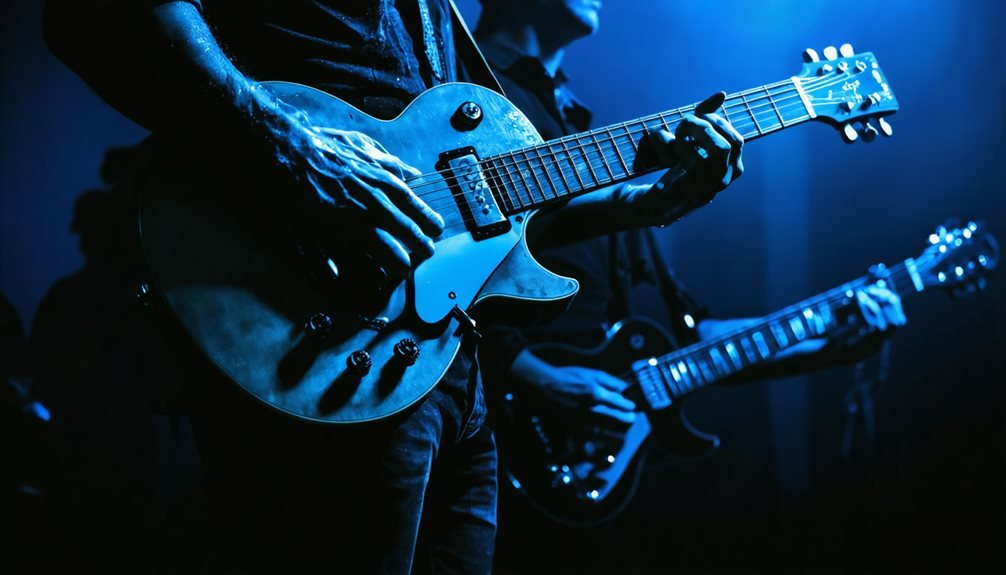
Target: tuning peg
[(810, 56), (849, 133), (831, 53), (885, 128), (869, 132), (846, 51)]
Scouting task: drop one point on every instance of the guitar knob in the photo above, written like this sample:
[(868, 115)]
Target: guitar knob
[(849, 133), (810, 56), (846, 51), (359, 361), (830, 53), (407, 351), (885, 128), (869, 133), (318, 326)]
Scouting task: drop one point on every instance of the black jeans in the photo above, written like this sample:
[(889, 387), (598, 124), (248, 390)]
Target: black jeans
[(418, 491)]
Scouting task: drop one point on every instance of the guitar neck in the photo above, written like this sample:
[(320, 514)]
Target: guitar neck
[(681, 372), (539, 175)]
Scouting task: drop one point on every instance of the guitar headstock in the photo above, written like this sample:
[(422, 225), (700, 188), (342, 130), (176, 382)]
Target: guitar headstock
[(958, 258), (849, 90)]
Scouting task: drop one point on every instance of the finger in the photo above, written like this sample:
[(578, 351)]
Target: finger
[(387, 252), (388, 217), (406, 200), (890, 303), (711, 104), (736, 140), (396, 165), (871, 311), (613, 399), (610, 382), (662, 142), (704, 134), (625, 417)]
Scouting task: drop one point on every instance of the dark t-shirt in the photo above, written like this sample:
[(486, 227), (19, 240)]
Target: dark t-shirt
[(377, 55)]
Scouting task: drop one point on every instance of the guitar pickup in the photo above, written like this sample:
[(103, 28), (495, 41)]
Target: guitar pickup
[(473, 193)]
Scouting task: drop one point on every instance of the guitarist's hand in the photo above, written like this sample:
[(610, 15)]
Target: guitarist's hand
[(576, 388), (703, 157), (354, 191)]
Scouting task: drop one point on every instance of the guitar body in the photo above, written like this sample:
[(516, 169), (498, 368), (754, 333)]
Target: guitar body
[(239, 286), (577, 472)]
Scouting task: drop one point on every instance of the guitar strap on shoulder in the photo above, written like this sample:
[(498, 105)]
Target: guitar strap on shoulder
[(469, 54)]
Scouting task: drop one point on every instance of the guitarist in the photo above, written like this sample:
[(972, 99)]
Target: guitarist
[(620, 274), (285, 496)]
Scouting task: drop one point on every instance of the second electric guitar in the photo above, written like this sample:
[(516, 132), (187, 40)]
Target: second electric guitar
[(582, 474)]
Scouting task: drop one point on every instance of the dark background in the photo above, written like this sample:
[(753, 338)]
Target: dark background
[(923, 492)]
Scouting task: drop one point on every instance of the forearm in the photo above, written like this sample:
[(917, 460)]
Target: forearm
[(159, 65), (598, 213)]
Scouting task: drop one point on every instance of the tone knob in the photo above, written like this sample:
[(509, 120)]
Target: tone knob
[(407, 350), (318, 326), (359, 361)]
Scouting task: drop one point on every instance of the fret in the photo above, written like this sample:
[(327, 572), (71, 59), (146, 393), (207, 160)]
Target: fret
[(618, 152), (661, 377), (796, 326), (600, 152), (699, 370), (749, 351), (569, 159), (719, 363), (520, 184), (790, 111), (585, 161), (545, 173), (669, 382), (678, 380), (780, 335), (506, 185), (534, 176), (687, 377), (735, 357), (761, 344), (628, 136), (754, 118), (774, 107), (557, 162), (814, 322)]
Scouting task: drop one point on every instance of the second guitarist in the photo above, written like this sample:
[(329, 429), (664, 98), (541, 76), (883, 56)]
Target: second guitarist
[(621, 274)]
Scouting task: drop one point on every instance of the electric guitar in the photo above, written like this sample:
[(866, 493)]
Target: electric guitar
[(322, 334), (581, 474)]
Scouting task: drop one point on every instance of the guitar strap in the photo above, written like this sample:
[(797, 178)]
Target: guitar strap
[(469, 54)]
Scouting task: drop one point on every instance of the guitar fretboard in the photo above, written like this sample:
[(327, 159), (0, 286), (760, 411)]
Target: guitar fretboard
[(531, 177), (672, 376)]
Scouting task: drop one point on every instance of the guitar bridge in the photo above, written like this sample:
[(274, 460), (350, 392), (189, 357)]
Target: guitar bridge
[(473, 193)]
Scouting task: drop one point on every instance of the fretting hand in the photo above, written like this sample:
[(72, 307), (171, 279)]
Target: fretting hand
[(703, 157)]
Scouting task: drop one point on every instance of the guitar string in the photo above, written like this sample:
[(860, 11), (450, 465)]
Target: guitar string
[(813, 85), (589, 151), (829, 298)]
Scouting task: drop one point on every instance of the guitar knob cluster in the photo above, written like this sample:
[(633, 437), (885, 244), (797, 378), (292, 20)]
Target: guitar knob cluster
[(407, 351)]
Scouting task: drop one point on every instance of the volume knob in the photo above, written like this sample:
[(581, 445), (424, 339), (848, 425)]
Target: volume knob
[(318, 326), (359, 361), (407, 350)]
